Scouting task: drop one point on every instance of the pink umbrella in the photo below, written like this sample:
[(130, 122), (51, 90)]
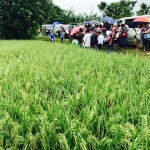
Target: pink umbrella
[(74, 30), (141, 19)]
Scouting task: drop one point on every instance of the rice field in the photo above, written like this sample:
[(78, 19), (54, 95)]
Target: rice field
[(60, 97)]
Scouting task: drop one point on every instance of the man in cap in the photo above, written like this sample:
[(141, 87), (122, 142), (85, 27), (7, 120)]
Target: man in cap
[(123, 35)]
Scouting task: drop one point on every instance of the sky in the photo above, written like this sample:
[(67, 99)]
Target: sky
[(87, 6)]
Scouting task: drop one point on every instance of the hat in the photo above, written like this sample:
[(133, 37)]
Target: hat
[(114, 24)]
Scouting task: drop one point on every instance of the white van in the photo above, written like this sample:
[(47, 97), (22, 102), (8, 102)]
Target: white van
[(46, 29), (131, 24)]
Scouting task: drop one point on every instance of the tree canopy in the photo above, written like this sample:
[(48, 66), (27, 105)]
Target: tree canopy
[(144, 9), (116, 10), (21, 19)]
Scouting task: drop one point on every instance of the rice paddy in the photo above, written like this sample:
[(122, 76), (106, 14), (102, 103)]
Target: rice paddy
[(57, 96)]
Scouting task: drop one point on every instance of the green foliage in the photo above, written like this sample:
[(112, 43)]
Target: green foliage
[(57, 96), (144, 9), (21, 19), (116, 10), (102, 5), (91, 16)]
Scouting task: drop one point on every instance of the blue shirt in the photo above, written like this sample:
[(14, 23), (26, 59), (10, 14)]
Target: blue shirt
[(62, 34), (52, 36)]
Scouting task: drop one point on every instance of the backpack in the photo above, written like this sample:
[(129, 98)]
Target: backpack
[(124, 35), (124, 32)]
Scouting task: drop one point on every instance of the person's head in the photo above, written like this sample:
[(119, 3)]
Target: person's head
[(80, 30), (74, 37), (145, 24), (99, 32), (114, 25), (104, 30), (87, 30), (139, 25), (92, 29), (122, 24), (105, 23), (147, 27), (115, 29), (77, 32), (100, 26), (95, 32), (89, 25)]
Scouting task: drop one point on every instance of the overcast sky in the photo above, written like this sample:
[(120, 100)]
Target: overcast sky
[(80, 6)]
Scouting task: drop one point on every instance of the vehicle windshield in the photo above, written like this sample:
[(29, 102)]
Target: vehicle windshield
[(131, 24)]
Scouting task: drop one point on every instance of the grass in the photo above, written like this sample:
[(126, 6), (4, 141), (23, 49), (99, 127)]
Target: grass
[(46, 38), (57, 96)]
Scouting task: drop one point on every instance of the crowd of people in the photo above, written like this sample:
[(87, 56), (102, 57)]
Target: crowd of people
[(108, 36), (143, 37)]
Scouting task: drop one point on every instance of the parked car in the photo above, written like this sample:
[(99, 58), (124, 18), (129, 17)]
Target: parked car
[(131, 33), (67, 28), (46, 29)]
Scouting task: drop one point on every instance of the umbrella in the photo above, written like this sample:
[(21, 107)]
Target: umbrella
[(109, 20), (141, 19), (56, 23), (74, 30), (85, 22), (95, 22)]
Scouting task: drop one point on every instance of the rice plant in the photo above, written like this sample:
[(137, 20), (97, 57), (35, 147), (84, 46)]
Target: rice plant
[(57, 96)]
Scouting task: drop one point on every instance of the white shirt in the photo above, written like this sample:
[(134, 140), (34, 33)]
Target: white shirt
[(87, 39), (117, 35), (100, 39), (138, 33)]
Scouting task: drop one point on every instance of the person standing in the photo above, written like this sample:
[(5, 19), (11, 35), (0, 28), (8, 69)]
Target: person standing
[(109, 43), (123, 35), (147, 33), (75, 41), (62, 36), (115, 38), (138, 36), (87, 39), (144, 42), (100, 40), (52, 36), (80, 37), (93, 40)]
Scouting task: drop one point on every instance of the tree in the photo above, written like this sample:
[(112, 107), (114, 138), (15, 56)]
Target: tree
[(91, 16), (116, 10), (144, 9), (21, 19)]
